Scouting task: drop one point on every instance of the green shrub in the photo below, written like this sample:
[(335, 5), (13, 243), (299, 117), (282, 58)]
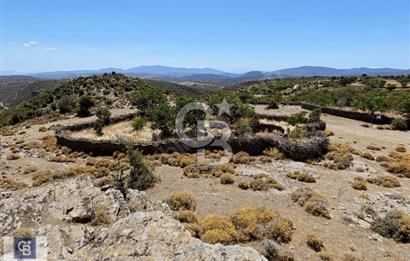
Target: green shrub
[(147, 97), (141, 177), (85, 103), (297, 118), (138, 122), (103, 119), (396, 225), (66, 104)]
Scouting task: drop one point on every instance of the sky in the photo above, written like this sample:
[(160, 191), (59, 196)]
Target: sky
[(231, 35)]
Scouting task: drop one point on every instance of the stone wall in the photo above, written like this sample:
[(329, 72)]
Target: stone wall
[(355, 115)]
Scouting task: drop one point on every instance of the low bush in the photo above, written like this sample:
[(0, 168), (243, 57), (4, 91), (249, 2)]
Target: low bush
[(314, 203), (227, 178), (359, 183), (274, 153), (262, 182), (382, 158), (257, 224), (101, 216), (297, 118), (367, 155), (400, 148), (315, 243), (373, 147), (218, 229), (325, 256), (243, 185), (241, 158), (301, 176), (181, 201), (138, 122), (396, 225), (386, 181), (186, 216)]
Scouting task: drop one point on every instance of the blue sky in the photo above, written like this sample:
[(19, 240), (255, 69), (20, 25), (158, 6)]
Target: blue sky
[(47, 35)]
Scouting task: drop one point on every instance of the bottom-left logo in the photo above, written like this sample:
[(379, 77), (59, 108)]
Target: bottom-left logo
[(24, 247)]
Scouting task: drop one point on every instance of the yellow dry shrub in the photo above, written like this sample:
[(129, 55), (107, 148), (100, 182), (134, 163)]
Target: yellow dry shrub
[(227, 178), (49, 143), (186, 160), (314, 242), (274, 153), (23, 232), (327, 133), (194, 229), (386, 181), (243, 185), (186, 216), (262, 182), (400, 164), (181, 201), (367, 155), (256, 224), (359, 183), (314, 203), (400, 148), (29, 169), (101, 216), (217, 229), (32, 145), (382, 158), (241, 158), (301, 176)]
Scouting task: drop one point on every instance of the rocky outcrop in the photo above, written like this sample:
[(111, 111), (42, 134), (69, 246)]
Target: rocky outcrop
[(138, 229)]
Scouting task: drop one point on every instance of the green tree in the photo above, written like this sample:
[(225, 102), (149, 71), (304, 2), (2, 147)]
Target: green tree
[(371, 102), (85, 103), (147, 97), (162, 117), (103, 119), (141, 177)]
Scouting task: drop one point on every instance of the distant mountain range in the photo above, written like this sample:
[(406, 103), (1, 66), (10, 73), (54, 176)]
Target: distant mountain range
[(217, 77)]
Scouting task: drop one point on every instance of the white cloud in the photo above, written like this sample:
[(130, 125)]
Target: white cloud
[(50, 48), (30, 44)]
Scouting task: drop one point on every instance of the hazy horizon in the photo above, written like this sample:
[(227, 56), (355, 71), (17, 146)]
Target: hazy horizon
[(232, 36)]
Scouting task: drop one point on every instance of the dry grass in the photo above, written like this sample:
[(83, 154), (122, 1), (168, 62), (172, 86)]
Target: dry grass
[(11, 183), (274, 153), (101, 216), (262, 182), (315, 243), (314, 203), (301, 176), (241, 158), (181, 201), (386, 181), (227, 178), (49, 143), (359, 183), (186, 216)]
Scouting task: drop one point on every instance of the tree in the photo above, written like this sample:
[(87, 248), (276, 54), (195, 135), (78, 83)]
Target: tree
[(141, 177), (103, 119), (371, 102), (405, 107), (147, 97), (85, 103), (66, 104), (162, 117)]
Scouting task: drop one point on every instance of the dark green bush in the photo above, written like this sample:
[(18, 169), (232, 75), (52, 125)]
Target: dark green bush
[(297, 118), (141, 177), (85, 103), (396, 225)]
